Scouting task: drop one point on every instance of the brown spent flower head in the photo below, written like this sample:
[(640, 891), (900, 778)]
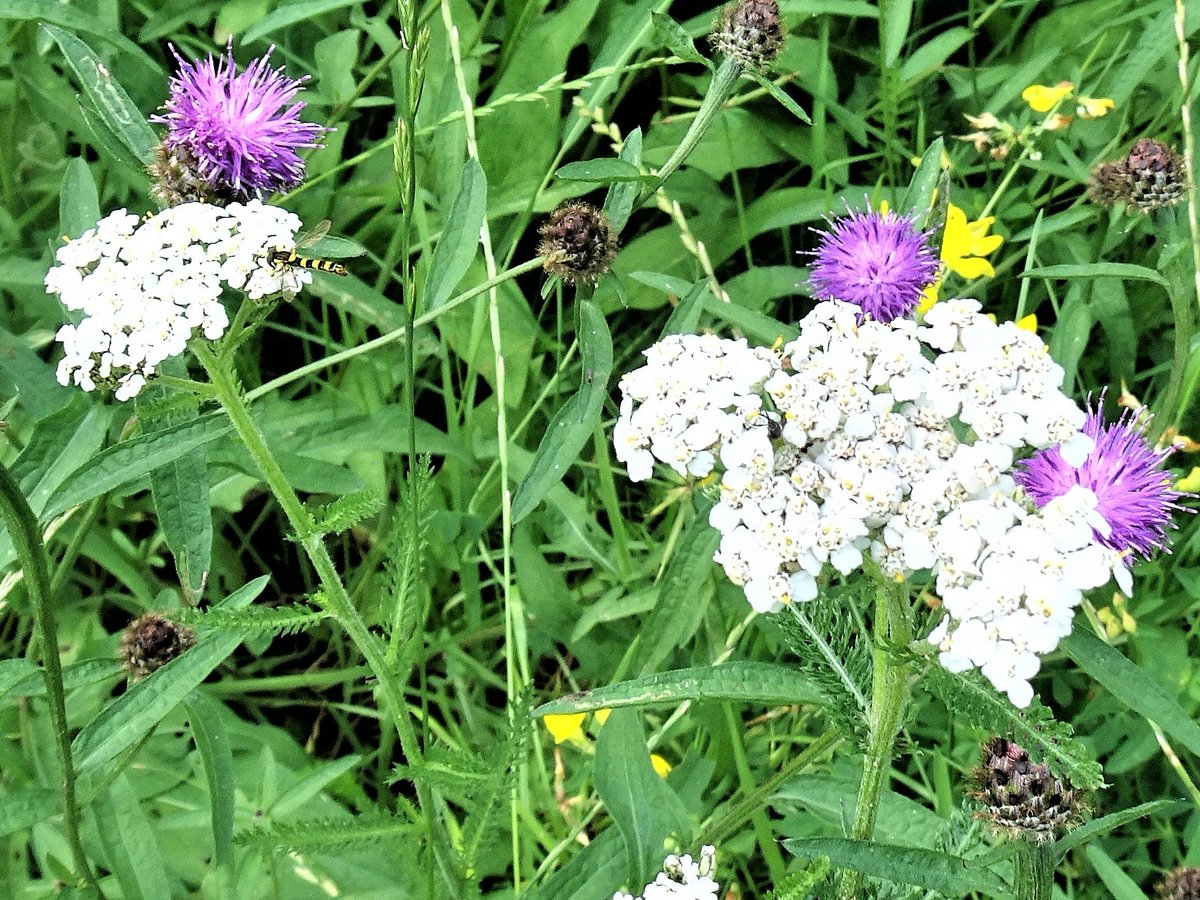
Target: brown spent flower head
[(1151, 176), (1156, 175), (151, 641), (749, 33), (174, 179), (1180, 884), (578, 243), (1022, 800)]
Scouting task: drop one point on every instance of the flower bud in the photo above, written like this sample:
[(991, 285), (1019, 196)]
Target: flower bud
[(578, 243), (1180, 884), (151, 641), (749, 33), (1021, 799), (175, 177), (1150, 177)]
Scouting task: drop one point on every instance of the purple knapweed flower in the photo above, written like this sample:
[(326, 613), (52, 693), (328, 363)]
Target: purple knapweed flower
[(1133, 492), (880, 262), (242, 130)]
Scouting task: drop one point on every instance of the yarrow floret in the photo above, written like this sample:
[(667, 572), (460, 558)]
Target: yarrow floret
[(242, 130), (146, 286), (895, 441), (682, 878)]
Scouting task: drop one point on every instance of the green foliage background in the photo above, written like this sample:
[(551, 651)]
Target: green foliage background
[(268, 773)]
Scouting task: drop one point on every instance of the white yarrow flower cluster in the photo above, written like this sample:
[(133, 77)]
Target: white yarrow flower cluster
[(896, 441), (145, 286), (682, 878)]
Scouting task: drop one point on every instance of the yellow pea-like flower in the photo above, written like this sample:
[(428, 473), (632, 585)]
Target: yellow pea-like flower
[(1042, 98), (564, 726)]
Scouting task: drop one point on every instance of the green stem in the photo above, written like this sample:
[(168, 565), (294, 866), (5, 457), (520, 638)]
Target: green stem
[(719, 90), (31, 552), (1033, 871), (889, 702), (1180, 289), (336, 599)]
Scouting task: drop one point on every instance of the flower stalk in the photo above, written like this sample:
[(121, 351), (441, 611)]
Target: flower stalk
[(1033, 870), (719, 90), (336, 599), (889, 703), (31, 553)]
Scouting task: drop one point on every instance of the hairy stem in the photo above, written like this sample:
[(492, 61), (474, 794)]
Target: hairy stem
[(889, 701), (31, 552), (1033, 871), (336, 599)]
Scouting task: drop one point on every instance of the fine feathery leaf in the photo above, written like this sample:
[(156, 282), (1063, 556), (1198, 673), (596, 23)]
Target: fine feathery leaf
[(346, 511), (971, 698), (323, 835), (276, 620), (405, 564)]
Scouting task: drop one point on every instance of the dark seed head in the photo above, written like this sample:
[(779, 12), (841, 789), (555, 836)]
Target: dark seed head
[(1022, 799), (750, 33), (578, 243), (1180, 884), (151, 641), (1151, 176), (174, 177)]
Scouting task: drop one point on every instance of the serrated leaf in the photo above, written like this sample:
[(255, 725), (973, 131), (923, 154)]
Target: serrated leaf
[(108, 98), (123, 722), (460, 236), (1132, 686), (576, 420), (216, 758), (928, 869), (642, 805), (602, 171), (78, 204), (673, 36), (129, 460), (780, 95), (130, 848), (771, 684)]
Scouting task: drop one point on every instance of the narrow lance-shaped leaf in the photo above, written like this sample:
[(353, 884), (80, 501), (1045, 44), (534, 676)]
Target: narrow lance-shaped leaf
[(575, 421), (928, 869), (79, 203), (460, 236)]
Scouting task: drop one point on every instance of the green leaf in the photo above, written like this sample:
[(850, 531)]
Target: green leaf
[(683, 593), (291, 14), (918, 199), (129, 844), (575, 421), (78, 20), (673, 36), (180, 491), (895, 18), (1098, 270), (642, 805), (132, 459), (212, 743), (755, 325), (25, 807), (1077, 837), (79, 204), (603, 171), (621, 196), (933, 54), (781, 96), (123, 722), (1120, 886), (685, 319), (108, 98), (460, 236), (928, 869), (1132, 686), (743, 681)]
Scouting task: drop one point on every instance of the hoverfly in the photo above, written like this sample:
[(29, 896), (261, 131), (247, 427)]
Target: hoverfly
[(307, 239)]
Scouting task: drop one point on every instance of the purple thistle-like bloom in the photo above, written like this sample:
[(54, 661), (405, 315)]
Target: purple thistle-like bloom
[(243, 130), (1133, 492), (880, 262)]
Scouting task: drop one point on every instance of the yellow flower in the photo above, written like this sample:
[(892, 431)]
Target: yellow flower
[(1028, 323), (565, 726), (602, 715), (929, 296), (1044, 99), (1093, 107), (964, 243), (1116, 618), (661, 766), (1190, 482)]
